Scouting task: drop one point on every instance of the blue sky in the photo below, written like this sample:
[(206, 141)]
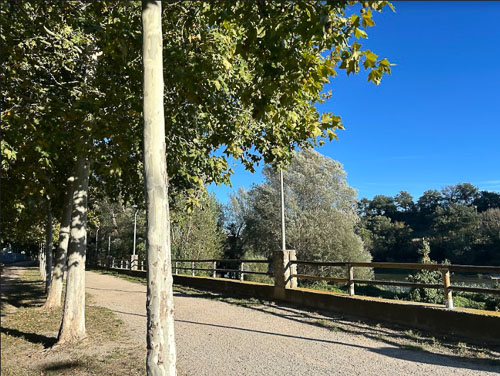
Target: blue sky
[(435, 121)]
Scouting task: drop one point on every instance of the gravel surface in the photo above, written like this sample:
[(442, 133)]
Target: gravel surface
[(218, 338)]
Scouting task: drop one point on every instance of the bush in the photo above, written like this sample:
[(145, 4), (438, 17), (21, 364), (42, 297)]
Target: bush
[(424, 294), (462, 301), (257, 267)]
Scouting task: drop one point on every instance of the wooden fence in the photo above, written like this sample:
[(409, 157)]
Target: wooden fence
[(443, 268), (218, 268), (214, 270)]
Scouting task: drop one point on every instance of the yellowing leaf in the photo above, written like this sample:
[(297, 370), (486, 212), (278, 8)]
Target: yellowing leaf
[(371, 59), (358, 33)]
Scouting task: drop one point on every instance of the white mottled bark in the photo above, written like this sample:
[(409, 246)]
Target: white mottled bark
[(73, 319), (42, 266), (48, 252), (55, 291), (161, 354)]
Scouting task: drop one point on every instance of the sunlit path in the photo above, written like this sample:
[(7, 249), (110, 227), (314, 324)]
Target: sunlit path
[(217, 338)]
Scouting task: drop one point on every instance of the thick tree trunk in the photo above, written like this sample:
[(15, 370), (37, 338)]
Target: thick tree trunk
[(48, 252), (55, 291), (73, 319), (161, 355)]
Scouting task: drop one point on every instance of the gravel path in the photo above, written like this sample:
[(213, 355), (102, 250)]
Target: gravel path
[(218, 338)]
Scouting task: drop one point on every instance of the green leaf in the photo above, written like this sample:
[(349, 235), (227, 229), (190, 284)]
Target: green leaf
[(354, 20), (359, 33), (371, 59), (331, 135)]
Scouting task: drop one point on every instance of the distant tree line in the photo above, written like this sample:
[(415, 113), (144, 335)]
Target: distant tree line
[(461, 224), (195, 234), (324, 221)]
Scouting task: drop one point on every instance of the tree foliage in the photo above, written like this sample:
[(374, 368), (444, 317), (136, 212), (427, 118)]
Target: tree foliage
[(241, 81), (320, 212), (195, 235), (459, 221)]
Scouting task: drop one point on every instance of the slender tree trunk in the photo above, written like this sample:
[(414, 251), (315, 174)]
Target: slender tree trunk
[(55, 291), (73, 319), (48, 275), (42, 264), (161, 355)]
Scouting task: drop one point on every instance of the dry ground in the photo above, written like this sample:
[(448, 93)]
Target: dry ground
[(28, 333), (217, 335)]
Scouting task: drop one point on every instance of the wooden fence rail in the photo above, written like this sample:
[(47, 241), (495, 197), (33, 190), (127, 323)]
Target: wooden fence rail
[(445, 270), (219, 267), (240, 272)]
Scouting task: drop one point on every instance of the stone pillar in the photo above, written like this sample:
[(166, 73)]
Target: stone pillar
[(134, 262), (283, 271)]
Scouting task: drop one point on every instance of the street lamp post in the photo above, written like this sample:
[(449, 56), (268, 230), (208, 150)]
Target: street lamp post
[(134, 259), (97, 245), (135, 227), (283, 243)]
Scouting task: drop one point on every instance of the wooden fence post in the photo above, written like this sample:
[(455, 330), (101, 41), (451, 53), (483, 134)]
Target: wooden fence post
[(242, 269), (192, 268), (447, 291), (350, 277), (176, 267), (214, 270)]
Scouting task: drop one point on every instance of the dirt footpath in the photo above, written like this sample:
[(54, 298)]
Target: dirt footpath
[(9, 275), (218, 338)]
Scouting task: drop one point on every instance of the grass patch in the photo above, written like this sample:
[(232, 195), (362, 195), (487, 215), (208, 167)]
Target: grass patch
[(27, 336)]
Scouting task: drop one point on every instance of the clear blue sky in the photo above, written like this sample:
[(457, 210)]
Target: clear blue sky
[(435, 121)]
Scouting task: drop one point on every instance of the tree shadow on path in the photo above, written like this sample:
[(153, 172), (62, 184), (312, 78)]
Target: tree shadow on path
[(404, 344)]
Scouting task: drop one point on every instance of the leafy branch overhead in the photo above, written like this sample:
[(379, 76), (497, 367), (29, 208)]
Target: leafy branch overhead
[(242, 81), (274, 60)]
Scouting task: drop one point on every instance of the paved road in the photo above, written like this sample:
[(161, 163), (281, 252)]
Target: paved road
[(218, 338)]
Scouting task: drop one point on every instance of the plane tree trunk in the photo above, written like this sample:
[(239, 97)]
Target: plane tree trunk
[(161, 354), (73, 319), (42, 266), (48, 252), (56, 286)]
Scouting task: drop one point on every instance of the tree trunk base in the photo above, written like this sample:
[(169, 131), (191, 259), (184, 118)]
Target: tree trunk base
[(70, 337)]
